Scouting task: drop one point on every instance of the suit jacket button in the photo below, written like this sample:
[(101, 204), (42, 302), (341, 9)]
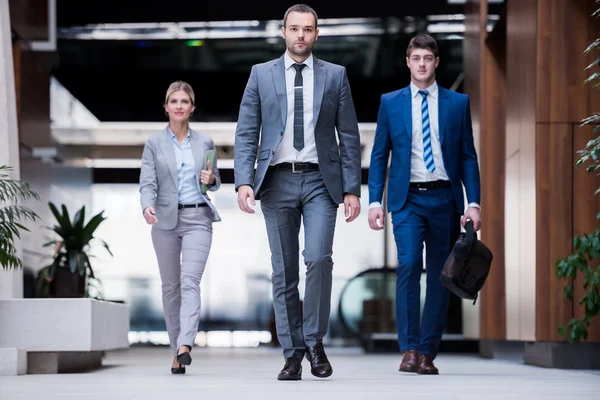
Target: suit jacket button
[(273, 152), (281, 133)]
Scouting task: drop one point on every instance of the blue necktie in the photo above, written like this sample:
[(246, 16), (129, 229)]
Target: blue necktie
[(427, 151)]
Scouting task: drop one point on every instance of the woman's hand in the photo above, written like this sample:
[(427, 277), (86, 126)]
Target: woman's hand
[(206, 176), (150, 216)]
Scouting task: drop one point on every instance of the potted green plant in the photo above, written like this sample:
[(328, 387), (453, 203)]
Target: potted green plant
[(12, 215), (585, 258), (71, 273)]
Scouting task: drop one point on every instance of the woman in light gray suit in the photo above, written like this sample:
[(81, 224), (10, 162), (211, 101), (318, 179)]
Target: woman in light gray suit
[(174, 171)]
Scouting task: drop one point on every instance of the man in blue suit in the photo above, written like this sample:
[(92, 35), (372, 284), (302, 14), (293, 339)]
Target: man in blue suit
[(428, 131)]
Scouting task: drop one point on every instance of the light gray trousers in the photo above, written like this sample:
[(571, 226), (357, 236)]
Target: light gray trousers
[(182, 253), (286, 199)]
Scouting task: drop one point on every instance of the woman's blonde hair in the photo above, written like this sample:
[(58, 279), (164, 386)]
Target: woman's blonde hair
[(180, 85)]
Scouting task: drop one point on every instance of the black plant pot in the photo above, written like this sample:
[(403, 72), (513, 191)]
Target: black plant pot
[(67, 284)]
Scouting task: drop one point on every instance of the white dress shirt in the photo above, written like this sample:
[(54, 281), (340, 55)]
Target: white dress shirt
[(286, 151), (418, 169)]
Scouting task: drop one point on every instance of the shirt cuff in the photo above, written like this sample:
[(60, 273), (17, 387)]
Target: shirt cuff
[(476, 205), (375, 204)]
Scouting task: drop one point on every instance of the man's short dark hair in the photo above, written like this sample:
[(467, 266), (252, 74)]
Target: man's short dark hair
[(422, 41), (301, 8)]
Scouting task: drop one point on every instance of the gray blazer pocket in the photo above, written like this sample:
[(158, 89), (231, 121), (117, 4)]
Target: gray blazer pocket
[(264, 154), (162, 201)]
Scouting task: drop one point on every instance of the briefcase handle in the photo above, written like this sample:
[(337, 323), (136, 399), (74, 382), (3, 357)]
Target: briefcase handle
[(463, 252)]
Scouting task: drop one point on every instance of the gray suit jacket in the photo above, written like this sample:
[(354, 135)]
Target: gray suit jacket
[(264, 105), (158, 177)]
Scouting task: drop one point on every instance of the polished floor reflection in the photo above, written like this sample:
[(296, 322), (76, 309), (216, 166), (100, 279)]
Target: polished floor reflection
[(143, 373)]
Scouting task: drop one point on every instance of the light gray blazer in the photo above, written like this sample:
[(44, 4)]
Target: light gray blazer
[(158, 177), (262, 118)]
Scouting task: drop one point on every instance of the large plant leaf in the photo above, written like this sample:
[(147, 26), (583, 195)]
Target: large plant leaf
[(592, 46), (593, 77), (8, 252), (73, 267), (64, 223), (90, 228), (593, 64), (79, 220), (66, 217), (15, 213), (77, 262), (12, 215), (12, 190)]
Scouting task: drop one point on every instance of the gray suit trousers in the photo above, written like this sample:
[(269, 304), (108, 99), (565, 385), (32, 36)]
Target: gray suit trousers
[(286, 199), (182, 253)]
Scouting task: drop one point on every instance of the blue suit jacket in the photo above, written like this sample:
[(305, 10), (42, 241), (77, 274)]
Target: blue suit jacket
[(394, 134)]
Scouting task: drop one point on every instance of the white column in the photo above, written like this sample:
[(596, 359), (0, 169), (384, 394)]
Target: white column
[(11, 283)]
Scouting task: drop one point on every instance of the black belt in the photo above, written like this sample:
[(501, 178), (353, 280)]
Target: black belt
[(430, 185), (180, 206), (296, 167)]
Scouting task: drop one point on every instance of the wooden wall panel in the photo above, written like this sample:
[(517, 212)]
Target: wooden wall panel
[(554, 229), (472, 59), (29, 18), (565, 29), (472, 44), (492, 165), (562, 37)]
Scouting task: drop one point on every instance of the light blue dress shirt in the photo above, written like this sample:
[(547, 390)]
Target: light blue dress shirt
[(186, 171)]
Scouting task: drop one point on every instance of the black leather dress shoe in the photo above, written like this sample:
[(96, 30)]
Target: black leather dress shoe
[(319, 364), (184, 358), (292, 370), (179, 370)]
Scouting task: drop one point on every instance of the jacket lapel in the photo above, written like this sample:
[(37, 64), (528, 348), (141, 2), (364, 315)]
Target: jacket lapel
[(407, 110), (443, 105), (278, 71), (320, 75), (169, 154)]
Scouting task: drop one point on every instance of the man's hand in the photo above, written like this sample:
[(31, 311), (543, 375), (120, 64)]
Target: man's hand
[(376, 218), (473, 214), (150, 215), (246, 192), (351, 207), (206, 175)]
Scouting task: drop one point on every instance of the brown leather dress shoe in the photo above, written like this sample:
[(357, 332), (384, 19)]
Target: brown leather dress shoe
[(410, 361), (426, 366)]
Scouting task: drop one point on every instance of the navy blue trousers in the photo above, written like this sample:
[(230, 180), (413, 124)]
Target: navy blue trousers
[(428, 217)]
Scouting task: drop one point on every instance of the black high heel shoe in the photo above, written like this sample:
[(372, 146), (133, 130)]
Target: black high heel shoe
[(184, 358), (179, 370)]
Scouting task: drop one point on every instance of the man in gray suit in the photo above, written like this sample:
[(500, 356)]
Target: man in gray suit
[(301, 173)]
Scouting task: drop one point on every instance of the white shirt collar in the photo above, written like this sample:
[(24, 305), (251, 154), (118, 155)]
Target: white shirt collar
[(433, 89), (289, 61)]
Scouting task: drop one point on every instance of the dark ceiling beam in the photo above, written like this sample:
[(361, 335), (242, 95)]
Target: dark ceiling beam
[(78, 12)]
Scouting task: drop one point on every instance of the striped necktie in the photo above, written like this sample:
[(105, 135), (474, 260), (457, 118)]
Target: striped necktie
[(427, 151)]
